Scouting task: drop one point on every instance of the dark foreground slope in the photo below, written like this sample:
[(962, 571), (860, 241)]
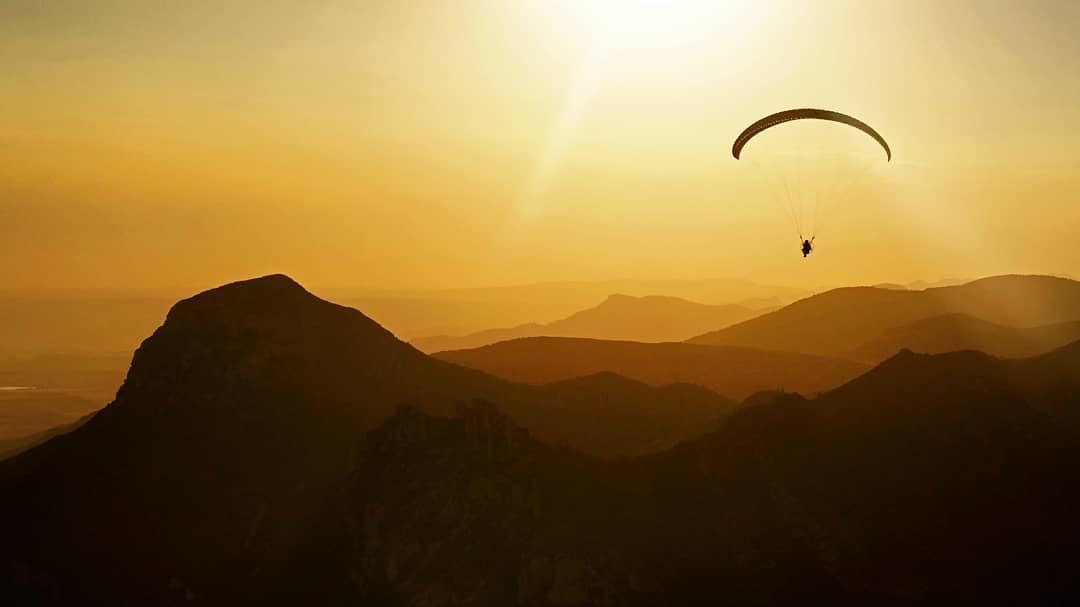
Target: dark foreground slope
[(930, 480), (733, 371), (221, 475), (840, 321), (474, 511)]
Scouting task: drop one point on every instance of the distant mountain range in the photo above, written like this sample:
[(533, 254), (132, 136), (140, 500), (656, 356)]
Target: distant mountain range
[(416, 313), (77, 344), (652, 318), (849, 322), (107, 321), (579, 294), (301, 351), (267, 446), (951, 332), (733, 371), (1009, 316)]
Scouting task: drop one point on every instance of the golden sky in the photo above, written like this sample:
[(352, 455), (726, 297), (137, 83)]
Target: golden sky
[(484, 142)]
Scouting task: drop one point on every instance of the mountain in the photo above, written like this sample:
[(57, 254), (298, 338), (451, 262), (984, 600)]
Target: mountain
[(941, 479), (905, 486), (301, 351), (235, 418), (930, 479), (838, 322), (258, 452), (107, 321), (950, 332), (652, 318), (733, 371), (413, 313)]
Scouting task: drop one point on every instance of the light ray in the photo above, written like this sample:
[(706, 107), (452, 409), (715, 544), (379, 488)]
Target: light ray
[(561, 135)]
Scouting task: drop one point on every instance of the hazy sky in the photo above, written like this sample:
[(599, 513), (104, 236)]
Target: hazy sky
[(483, 142)]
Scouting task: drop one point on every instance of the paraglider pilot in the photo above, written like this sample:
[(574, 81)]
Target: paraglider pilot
[(807, 247)]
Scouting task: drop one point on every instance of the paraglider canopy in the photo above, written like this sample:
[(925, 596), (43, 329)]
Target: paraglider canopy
[(805, 114)]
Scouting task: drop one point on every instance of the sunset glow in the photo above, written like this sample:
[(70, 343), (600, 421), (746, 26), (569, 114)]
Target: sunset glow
[(511, 142), (473, 303)]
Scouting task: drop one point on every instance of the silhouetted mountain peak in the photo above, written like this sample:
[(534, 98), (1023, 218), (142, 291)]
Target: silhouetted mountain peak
[(267, 335), (274, 300), (913, 365), (270, 288), (267, 357), (908, 381)]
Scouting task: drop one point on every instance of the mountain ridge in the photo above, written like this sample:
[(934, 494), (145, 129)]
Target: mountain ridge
[(838, 322), (733, 371), (650, 318), (948, 332), (235, 467)]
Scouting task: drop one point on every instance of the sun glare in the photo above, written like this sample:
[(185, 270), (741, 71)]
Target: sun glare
[(652, 33), (655, 25)]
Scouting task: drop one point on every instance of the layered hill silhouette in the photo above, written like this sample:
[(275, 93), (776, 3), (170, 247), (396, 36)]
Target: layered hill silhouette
[(258, 452), (652, 318), (256, 395), (842, 322), (733, 371), (301, 352), (930, 480), (952, 332), (414, 313)]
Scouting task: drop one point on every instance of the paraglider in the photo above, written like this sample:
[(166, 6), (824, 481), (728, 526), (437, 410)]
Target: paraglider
[(786, 116)]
